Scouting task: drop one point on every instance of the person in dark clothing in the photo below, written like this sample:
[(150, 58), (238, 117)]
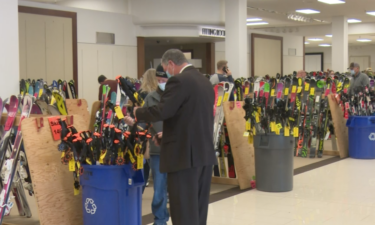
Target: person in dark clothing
[(160, 199), (359, 79), (102, 80), (187, 151)]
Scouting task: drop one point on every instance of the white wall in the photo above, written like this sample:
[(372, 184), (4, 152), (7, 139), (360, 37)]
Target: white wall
[(9, 57), (366, 50), (110, 60), (177, 12), (115, 6)]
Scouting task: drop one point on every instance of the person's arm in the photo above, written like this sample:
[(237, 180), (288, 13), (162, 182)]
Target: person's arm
[(366, 81), (100, 92), (171, 100), (214, 79), (230, 79)]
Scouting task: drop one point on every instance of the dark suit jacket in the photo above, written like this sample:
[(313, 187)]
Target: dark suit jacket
[(186, 107)]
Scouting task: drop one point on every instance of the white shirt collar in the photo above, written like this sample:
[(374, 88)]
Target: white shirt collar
[(182, 70)]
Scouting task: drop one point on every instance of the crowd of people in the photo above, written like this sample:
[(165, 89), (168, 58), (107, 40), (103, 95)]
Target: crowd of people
[(181, 117)]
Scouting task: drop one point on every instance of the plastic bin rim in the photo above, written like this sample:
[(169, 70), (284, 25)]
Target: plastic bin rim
[(106, 167)]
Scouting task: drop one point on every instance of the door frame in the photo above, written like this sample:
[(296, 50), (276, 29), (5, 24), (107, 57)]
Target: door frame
[(321, 58), (58, 13), (253, 36)]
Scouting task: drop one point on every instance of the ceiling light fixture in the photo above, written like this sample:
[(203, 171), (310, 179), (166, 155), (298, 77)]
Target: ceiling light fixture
[(371, 13), (299, 18), (325, 45), (354, 21), (307, 11), (306, 43), (315, 39), (329, 35), (331, 2), (364, 40), (257, 23), (253, 19)]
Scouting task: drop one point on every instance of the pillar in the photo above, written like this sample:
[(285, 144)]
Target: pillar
[(9, 57), (236, 37), (340, 44)]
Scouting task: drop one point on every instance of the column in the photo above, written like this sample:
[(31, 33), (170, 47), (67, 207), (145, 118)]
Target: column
[(236, 37), (9, 57), (340, 44)]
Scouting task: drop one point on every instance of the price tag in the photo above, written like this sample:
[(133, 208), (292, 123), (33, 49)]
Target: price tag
[(250, 139), (55, 127), (259, 110), (76, 191), (239, 105), (273, 126), (299, 89), (246, 90), (40, 92), (286, 91), (119, 112), (219, 99), (327, 135), (294, 89), (295, 132), (286, 131), (78, 165), (277, 131), (131, 157), (102, 155), (279, 126), (72, 165), (273, 92), (257, 118), (307, 86), (226, 97), (246, 134), (248, 125), (88, 161), (254, 131), (312, 91), (140, 161)]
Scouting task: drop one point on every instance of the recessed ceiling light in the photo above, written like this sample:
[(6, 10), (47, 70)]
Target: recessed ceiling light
[(325, 45), (329, 35), (364, 40), (307, 11), (257, 23), (372, 13), (315, 39), (332, 1), (354, 21), (253, 19), (306, 42)]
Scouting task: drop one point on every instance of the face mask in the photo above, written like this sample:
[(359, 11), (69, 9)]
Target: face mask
[(352, 72), (168, 74), (162, 86)]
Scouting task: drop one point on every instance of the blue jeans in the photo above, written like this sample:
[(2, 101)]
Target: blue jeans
[(159, 202)]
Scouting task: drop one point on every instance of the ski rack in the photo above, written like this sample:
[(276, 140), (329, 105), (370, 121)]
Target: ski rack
[(78, 107), (52, 182), (339, 123)]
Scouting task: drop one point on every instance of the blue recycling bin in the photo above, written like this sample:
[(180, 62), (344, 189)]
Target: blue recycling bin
[(112, 195), (361, 137)]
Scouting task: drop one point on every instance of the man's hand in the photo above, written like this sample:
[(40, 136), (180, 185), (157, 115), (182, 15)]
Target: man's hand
[(134, 111), (129, 121), (229, 73), (157, 138)]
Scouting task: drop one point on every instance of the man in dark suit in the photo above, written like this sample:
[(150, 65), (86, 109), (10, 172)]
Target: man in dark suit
[(187, 151)]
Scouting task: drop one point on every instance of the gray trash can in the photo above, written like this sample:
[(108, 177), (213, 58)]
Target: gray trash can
[(274, 162)]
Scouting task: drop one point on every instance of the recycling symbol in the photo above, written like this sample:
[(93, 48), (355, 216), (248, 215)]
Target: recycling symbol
[(372, 137), (90, 206)]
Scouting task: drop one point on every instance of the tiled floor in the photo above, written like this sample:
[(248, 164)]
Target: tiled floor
[(341, 193)]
